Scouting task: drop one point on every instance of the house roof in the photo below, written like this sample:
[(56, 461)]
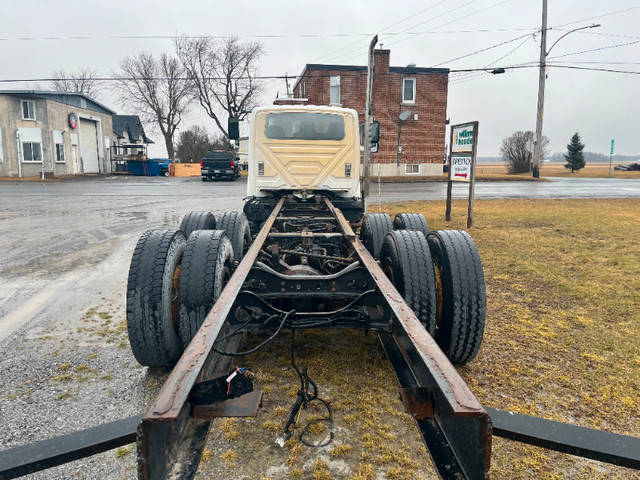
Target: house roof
[(360, 68), (132, 124), (73, 99)]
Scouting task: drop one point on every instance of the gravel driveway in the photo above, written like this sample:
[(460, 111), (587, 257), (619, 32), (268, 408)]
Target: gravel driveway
[(66, 362)]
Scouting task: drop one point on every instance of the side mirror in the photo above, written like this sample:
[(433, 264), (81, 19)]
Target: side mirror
[(233, 128), (375, 131)]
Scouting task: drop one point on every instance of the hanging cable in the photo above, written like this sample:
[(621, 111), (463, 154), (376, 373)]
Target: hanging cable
[(255, 349), (307, 393)]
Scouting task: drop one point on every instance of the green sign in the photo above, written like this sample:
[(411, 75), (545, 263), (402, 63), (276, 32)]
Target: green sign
[(612, 146), (462, 138)]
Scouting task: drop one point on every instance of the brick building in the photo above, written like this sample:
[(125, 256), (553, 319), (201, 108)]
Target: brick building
[(415, 146)]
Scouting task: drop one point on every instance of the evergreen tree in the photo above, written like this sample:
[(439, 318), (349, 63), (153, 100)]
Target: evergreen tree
[(575, 156)]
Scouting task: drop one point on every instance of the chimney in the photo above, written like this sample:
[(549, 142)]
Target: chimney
[(381, 60)]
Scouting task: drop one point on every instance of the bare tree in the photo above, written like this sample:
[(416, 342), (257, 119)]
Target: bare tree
[(224, 74), (194, 143), (84, 81), (156, 90), (516, 151)]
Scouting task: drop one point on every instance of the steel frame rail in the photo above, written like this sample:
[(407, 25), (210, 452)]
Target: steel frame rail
[(170, 439), (455, 427)]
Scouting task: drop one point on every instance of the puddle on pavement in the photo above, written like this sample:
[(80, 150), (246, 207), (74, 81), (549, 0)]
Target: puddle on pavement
[(57, 263)]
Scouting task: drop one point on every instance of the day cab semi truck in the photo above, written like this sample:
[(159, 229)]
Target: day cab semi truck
[(303, 253)]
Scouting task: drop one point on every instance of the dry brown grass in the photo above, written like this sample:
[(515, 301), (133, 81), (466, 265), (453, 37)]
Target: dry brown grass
[(563, 283), (561, 342), (592, 170)]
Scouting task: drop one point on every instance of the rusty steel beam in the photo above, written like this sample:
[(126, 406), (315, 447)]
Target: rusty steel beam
[(246, 405), (458, 436), (170, 439)]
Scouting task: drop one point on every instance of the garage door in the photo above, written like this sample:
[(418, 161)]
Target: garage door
[(89, 146)]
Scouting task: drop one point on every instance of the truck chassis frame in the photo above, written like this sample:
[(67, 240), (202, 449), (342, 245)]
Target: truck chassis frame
[(456, 428)]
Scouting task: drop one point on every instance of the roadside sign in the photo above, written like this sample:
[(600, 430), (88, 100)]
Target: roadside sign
[(462, 163), (612, 146), (462, 138), (461, 168)]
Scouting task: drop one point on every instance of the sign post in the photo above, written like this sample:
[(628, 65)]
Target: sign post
[(462, 163), (611, 158)]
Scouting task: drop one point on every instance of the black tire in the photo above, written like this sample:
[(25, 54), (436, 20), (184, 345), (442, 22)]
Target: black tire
[(405, 258), (411, 221), (206, 269), (237, 227), (164, 173), (375, 227), (462, 294), (152, 299), (197, 221), (204, 179)]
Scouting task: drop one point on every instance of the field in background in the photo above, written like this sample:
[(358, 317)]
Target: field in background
[(561, 342), (592, 170)]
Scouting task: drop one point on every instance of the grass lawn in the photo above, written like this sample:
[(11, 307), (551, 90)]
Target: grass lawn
[(561, 342)]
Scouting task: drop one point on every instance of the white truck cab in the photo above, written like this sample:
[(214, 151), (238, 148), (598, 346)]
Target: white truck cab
[(308, 149)]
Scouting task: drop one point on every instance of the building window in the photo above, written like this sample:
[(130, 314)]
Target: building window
[(31, 152), (28, 110), (334, 90), (409, 90), (60, 153), (412, 168), (58, 142)]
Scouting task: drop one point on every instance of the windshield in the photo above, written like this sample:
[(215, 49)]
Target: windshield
[(304, 126)]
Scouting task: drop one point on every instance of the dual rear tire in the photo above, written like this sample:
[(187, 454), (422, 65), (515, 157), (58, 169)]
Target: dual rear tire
[(175, 278), (440, 276)]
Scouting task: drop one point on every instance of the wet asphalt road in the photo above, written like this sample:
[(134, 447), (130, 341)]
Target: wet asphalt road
[(233, 192), (64, 257)]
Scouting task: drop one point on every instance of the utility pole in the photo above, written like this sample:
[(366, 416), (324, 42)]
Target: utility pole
[(537, 146), (367, 126)]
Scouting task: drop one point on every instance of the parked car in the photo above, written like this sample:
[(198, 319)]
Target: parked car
[(218, 164)]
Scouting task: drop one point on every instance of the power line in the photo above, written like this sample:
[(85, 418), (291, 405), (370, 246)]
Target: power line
[(591, 69), (597, 16), (481, 50), (282, 77), (309, 35), (351, 53), (457, 19), (360, 46), (595, 49), (589, 32), (416, 14)]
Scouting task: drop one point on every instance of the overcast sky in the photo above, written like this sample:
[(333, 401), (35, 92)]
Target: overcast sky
[(599, 105)]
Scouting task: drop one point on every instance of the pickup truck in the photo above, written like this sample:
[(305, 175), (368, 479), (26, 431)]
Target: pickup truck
[(163, 165), (219, 163)]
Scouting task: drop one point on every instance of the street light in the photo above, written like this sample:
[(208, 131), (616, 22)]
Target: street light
[(537, 147)]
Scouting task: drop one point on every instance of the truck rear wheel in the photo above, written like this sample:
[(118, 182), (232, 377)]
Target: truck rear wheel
[(206, 269), (406, 260), (411, 221), (152, 321), (237, 227), (375, 227), (462, 298), (197, 221)]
